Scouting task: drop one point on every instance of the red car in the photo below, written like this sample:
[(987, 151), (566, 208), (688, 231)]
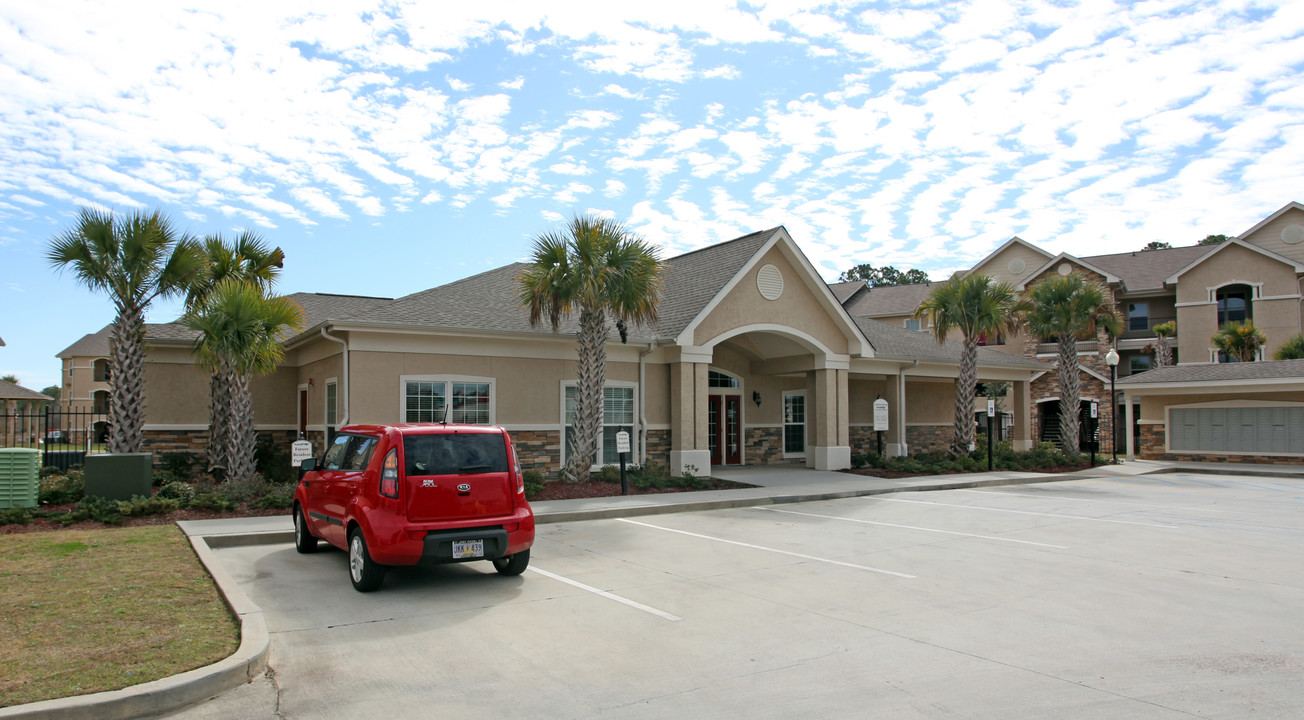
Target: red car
[(409, 494)]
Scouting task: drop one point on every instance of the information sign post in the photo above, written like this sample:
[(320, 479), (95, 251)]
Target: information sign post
[(880, 421), (622, 449)]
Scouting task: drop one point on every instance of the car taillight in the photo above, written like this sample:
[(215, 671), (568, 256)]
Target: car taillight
[(389, 475), (516, 465)]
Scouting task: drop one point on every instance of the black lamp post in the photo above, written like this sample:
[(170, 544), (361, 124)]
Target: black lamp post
[(1111, 357)]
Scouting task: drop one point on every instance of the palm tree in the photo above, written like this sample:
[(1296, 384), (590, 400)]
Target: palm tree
[(248, 259), (1163, 351), (1065, 309), (1239, 341), (133, 259), (977, 306), (1292, 349), (599, 267), (239, 328)]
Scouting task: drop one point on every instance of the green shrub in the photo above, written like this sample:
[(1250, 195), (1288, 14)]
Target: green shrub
[(692, 482), (609, 474), (277, 497), (181, 491), (181, 465), (272, 460), (49, 471), (239, 491), (139, 505), (649, 482), (533, 483), (15, 516), (94, 508), (60, 489), (212, 501), (163, 477)]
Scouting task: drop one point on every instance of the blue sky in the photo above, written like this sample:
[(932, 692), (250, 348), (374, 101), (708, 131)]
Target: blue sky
[(392, 147)]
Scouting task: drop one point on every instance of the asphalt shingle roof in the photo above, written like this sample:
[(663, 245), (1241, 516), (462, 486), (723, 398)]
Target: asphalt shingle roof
[(844, 290), (95, 344), (10, 391), (317, 308), (1149, 269), (889, 300), (1221, 372), (891, 341)]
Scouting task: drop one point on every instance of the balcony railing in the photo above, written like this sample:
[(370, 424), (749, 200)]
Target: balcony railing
[(1084, 346), (1130, 332)]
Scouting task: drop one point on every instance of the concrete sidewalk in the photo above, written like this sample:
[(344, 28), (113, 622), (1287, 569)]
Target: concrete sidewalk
[(772, 486)]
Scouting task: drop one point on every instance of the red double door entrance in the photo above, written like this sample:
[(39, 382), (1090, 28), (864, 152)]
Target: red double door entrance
[(724, 423)]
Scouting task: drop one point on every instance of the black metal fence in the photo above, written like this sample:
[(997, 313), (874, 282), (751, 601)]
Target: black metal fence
[(64, 437)]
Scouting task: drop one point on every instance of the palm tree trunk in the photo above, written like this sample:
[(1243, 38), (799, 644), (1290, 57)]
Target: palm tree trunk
[(127, 381), (1070, 392), (241, 437), (219, 427), (592, 372), (964, 392)]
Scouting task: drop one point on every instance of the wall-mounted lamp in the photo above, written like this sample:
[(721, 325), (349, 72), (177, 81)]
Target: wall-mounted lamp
[(756, 397), (309, 382)]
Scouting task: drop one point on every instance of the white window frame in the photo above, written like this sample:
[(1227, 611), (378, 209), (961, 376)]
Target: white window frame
[(918, 321), (637, 452), (326, 403), (447, 380), (805, 423)]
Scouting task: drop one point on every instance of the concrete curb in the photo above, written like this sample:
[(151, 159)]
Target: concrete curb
[(172, 693)]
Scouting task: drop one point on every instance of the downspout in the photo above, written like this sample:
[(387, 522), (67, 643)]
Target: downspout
[(642, 401), (344, 392), (901, 406)]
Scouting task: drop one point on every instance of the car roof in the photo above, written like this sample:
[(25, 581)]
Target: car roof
[(422, 429)]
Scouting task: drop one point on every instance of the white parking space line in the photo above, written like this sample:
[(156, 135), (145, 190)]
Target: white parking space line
[(1024, 512), (605, 594), (768, 549), (1111, 502), (910, 527)]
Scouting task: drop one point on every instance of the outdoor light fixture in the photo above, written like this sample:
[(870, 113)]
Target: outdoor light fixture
[(1111, 358), (756, 397)]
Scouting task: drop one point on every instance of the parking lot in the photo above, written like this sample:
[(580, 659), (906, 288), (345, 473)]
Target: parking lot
[(1164, 596)]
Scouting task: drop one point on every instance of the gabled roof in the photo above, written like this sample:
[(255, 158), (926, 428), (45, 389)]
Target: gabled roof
[(694, 279), (10, 391), (1270, 218), (844, 291), (1143, 270), (95, 344), (888, 300), (893, 342), (1238, 243), (1230, 373), (1016, 240), (1065, 257)]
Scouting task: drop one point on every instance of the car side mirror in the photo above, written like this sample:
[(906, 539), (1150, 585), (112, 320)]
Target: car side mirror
[(308, 465)]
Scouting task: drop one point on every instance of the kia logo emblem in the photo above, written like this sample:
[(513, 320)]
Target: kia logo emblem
[(463, 487)]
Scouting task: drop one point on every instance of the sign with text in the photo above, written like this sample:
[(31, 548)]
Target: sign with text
[(300, 450), (622, 442), (991, 406), (880, 414)]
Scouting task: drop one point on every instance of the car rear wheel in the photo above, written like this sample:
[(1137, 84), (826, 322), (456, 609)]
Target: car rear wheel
[(512, 564), (363, 571), (304, 541)]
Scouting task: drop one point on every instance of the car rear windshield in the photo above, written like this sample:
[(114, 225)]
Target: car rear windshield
[(452, 454)]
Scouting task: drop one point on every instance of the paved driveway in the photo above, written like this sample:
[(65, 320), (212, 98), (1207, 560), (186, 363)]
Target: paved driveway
[(1171, 596)]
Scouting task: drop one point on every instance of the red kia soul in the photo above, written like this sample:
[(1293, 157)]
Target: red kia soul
[(409, 494)]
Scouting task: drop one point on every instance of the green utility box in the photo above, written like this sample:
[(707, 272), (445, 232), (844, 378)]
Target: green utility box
[(119, 476), (20, 469)]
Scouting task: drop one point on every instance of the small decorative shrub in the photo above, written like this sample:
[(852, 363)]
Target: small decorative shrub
[(60, 489), (163, 477), (533, 483), (139, 505), (94, 508), (277, 497), (272, 460), (49, 471), (212, 501), (15, 516), (180, 491), (609, 474), (181, 465)]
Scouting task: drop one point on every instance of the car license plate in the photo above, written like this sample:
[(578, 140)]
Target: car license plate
[(468, 549)]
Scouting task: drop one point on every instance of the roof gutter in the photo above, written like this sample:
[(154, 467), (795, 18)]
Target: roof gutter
[(642, 404), (344, 419), (901, 405)]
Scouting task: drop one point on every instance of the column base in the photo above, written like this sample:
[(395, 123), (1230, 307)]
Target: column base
[(697, 462), (836, 457)]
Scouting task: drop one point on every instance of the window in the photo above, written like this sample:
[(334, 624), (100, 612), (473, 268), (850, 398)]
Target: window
[(425, 400), (332, 414), (1138, 364), (914, 324), (617, 415), (452, 454), (720, 380), (100, 371), (993, 339), (1234, 304), (1138, 316), (358, 453), (794, 424), (334, 459)]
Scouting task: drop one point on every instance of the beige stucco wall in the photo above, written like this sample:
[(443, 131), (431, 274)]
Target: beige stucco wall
[(797, 307), (998, 267), (1268, 237), (1278, 317), (930, 402), (863, 392)]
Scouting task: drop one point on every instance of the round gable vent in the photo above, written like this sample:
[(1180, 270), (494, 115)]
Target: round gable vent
[(1017, 266), (1292, 234), (1065, 269), (770, 282)]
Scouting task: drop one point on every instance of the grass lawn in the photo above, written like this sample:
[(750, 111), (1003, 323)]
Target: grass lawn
[(83, 611)]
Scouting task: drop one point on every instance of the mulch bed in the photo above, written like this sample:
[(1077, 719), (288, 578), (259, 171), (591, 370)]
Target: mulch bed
[(895, 474)]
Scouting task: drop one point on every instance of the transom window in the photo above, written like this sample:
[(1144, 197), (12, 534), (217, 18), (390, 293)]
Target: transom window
[(425, 400), (720, 380), (617, 415)]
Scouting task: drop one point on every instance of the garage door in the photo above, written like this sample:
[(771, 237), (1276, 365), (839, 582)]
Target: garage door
[(1274, 430)]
